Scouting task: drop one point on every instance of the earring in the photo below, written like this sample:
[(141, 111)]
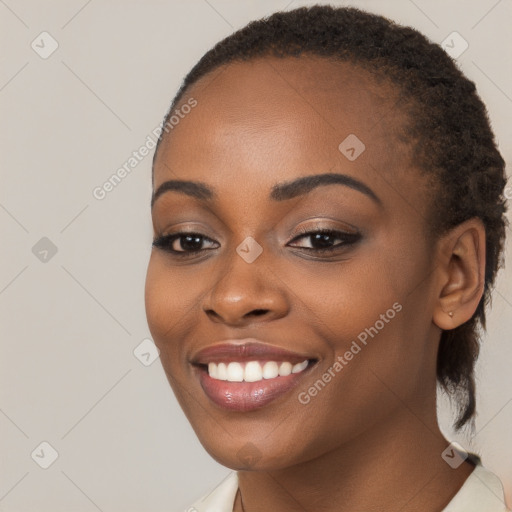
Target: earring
[(450, 313)]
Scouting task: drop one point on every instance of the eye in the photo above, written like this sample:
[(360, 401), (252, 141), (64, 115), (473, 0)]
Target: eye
[(324, 240), (185, 244), (182, 244)]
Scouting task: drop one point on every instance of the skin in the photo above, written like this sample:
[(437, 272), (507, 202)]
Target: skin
[(370, 439)]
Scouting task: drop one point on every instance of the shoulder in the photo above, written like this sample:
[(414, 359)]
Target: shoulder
[(220, 499), (481, 492)]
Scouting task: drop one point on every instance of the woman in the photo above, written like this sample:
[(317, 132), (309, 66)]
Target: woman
[(328, 215)]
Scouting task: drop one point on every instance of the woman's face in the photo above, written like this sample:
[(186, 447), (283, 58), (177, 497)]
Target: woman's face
[(359, 312)]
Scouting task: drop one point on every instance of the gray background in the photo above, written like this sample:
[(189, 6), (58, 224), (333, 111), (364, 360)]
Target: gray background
[(70, 321)]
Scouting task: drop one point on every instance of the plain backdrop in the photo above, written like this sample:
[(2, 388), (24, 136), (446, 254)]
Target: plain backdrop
[(73, 371)]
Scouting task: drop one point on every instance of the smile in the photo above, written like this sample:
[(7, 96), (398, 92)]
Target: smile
[(247, 374)]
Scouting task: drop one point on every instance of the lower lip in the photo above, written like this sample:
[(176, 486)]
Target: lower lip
[(247, 396)]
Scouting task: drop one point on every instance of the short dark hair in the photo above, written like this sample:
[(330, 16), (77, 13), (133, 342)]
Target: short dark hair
[(448, 126)]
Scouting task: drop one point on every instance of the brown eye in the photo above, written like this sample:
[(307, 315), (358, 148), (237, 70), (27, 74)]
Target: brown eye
[(325, 240), (182, 243)]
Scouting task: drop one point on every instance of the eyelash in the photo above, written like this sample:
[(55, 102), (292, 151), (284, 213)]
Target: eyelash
[(165, 242)]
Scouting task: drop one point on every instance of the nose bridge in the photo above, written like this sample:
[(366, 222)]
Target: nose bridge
[(245, 286)]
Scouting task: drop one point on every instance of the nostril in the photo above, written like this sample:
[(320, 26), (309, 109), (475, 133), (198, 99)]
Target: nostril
[(258, 312), (213, 314)]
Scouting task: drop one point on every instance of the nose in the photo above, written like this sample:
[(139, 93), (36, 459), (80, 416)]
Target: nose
[(245, 293)]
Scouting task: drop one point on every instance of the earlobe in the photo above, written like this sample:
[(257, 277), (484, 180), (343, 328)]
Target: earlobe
[(462, 274)]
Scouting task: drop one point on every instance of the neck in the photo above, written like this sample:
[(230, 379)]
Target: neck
[(395, 466)]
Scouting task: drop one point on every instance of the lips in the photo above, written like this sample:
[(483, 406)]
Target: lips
[(247, 374), (246, 350)]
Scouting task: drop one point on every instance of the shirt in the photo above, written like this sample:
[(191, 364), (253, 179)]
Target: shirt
[(481, 492)]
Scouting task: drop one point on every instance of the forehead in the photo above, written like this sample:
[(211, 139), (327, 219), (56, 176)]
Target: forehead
[(277, 118)]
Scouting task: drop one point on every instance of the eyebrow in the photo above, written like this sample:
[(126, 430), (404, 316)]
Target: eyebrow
[(279, 192)]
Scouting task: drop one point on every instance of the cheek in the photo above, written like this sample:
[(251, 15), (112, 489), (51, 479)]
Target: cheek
[(373, 312), (168, 299), (155, 298), (374, 359), (344, 300)]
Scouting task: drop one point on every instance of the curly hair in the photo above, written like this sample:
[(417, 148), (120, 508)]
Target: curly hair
[(448, 129)]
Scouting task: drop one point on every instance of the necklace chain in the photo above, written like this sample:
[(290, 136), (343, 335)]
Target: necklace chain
[(239, 495)]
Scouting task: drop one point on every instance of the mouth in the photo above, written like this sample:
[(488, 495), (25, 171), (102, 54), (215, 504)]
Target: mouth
[(244, 375)]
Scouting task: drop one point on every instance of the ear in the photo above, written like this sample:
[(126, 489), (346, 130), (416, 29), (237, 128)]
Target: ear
[(461, 270)]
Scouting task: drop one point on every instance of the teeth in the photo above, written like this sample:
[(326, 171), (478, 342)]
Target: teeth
[(270, 370), (235, 372), (299, 367), (285, 369), (222, 371), (253, 371), (212, 370)]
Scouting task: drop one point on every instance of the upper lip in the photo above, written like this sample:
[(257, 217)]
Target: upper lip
[(245, 350)]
